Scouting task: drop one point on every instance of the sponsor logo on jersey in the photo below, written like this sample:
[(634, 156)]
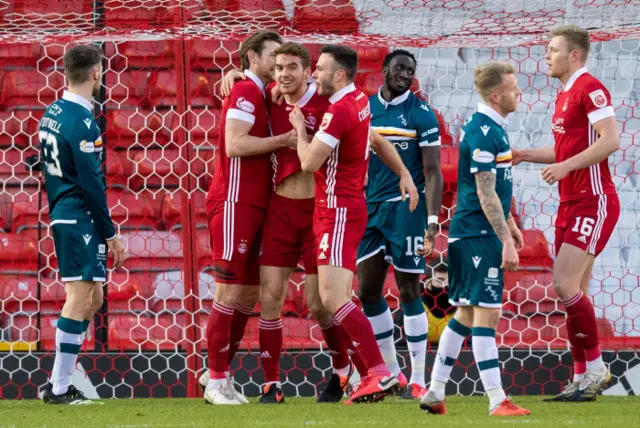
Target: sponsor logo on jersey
[(242, 247), (87, 146), (476, 261), (598, 98), (245, 105), (88, 123), (485, 129), (265, 354), (481, 156), (102, 249), (582, 239), (556, 126), (326, 120), (433, 131), (417, 260), (322, 256), (87, 238), (424, 107), (493, 272), (364, 113)]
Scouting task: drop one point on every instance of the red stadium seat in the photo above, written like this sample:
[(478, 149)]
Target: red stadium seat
[(126, 128), (325, 16), (203, 127), (130, 291), (131, 211), (449, 164), (215, 54), (144, 54), (268, 13), (17, 253), (536, 249), (133, 332), (18, 128), (26, 214), (19, 54), (30, 88), (128, 89), (69, 13), (157, 168), (23, 327), (163, 88), (445, 138), (153, 250), (536, 298), (172, 208), (13, 171)]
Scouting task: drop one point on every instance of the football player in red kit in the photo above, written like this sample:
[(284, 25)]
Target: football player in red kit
[(236, 205), (585, 133), (338, 156)]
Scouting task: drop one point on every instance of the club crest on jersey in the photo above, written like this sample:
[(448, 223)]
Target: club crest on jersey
[(87, 146), (403, 120), (326, 120), (245, 105), (310, 122), (482, 156), (242, 248), (598, 98)]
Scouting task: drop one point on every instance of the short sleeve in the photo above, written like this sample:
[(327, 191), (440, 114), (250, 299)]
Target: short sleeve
[(333, 126), (596, 102), (426, 125), (483, 149), (243, 102)]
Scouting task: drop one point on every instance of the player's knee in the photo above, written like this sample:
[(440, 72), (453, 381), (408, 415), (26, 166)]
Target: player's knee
[(562, 286), (367, 297), (270, 304), (319, 312), (409, 294), (97, 300), (249, 297)]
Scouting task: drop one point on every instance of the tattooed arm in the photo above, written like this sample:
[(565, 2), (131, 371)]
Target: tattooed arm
[(492, 208)]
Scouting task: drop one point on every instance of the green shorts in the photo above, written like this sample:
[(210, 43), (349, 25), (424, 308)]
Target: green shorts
[(81, 251), (396, 231), (475, 276)]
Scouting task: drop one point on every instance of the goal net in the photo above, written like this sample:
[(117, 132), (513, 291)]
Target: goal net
[(159, 111)]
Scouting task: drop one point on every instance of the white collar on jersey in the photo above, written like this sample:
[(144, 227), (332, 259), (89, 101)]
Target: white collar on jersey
[(75, 98), (251, 75), (394, 102), (311, 91), (497, 118), (579, 72), (341, 93)]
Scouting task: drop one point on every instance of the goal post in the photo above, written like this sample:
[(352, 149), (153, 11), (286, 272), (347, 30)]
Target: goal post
[(160, 116)]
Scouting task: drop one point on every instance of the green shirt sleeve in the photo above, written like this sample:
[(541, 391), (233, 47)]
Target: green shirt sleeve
[(483, 149), (427, 125), (90, 178)]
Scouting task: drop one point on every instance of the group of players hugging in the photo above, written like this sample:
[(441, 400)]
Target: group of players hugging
[(296, 151)]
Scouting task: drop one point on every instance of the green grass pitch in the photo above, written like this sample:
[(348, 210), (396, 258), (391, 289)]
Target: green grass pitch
[(304, 412)]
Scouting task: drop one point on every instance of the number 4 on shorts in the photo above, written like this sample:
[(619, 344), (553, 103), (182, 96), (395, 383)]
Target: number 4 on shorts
[(324, 246)]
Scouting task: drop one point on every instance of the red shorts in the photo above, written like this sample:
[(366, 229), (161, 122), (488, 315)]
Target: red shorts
[(338, 232), (288, 234), (235, 241), (587, 223)]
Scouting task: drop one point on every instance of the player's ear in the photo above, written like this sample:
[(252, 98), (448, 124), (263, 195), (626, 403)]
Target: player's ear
[(253, 57)]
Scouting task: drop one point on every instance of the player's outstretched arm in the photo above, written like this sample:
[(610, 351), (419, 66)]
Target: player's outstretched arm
[(90, 179), (390, 156), (239, 143), (545, 155), (312, 155), (492, 208)]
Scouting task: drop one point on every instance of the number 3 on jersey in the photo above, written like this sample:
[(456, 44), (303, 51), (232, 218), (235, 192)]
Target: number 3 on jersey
[(50, 151)]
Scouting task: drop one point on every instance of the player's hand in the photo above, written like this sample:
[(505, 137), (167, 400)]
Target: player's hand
[(277, 97), (297, 119), (555, 172), (291, 139), (518, 239), (407, 186), (117, 249), (516, 156), (429, 241), (230, 78), (510, 259)]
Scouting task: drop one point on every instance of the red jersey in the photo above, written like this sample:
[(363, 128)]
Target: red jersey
[(285, 161), (344, 127), (244, 179), (583, 102)]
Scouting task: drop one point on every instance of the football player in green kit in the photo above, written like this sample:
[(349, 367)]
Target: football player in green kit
[(71, 152)]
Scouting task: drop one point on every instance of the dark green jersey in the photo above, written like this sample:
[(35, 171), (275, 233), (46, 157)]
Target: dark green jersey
[(409, 123), (484, 146), (71, 151)]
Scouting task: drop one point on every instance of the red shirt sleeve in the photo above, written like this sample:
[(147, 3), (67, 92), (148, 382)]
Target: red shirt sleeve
[(243, 100), (596, 101), (333, 126)]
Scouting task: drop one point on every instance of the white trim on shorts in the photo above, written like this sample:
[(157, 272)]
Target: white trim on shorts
[(72, 278), (96, 279), (371, 254), (408, 270), (63, 222)]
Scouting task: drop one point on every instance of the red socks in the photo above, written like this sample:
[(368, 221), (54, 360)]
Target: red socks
[(337, 349), (582, 329), (218, 334), (360, 333), (270, 337), (238, 325)]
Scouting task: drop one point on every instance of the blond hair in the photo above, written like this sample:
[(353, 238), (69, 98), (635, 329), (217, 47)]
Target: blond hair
[(489, 75), (577, 38)]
